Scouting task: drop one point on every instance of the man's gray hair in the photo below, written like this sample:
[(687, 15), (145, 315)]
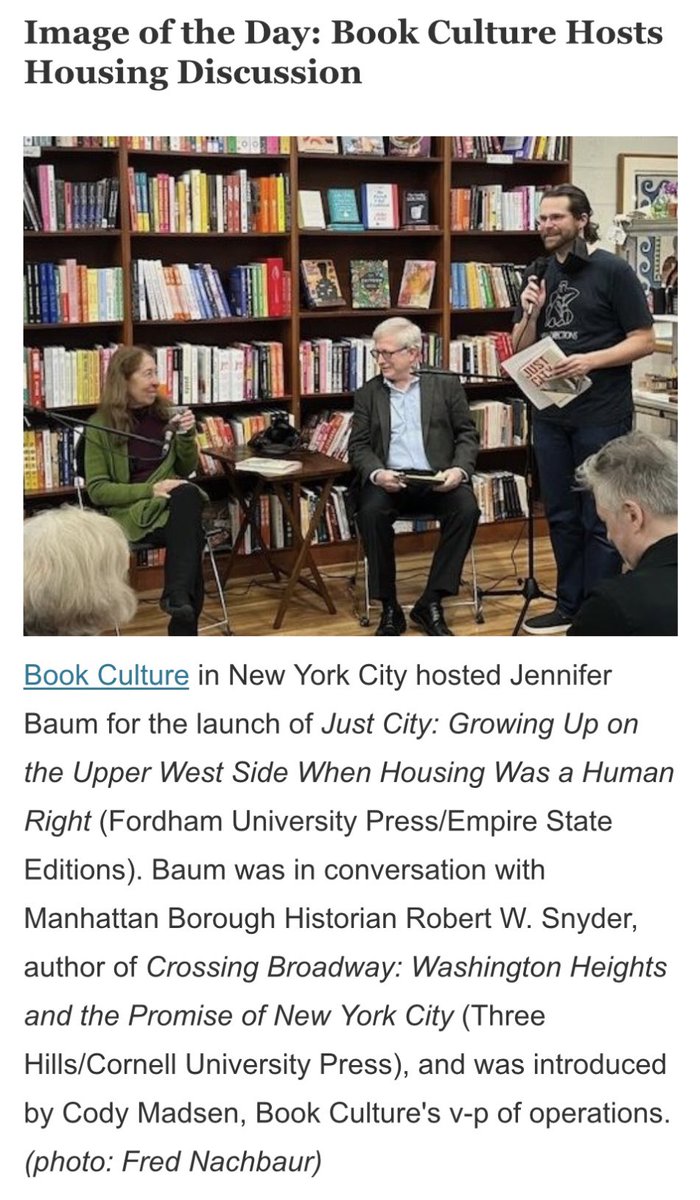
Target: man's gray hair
[(402, 329), (638, 466)]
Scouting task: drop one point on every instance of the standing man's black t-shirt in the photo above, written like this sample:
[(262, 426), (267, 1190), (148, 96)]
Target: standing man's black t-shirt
[(592, 308)]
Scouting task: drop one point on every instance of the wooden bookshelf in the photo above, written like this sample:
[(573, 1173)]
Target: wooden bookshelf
[(120, 247)]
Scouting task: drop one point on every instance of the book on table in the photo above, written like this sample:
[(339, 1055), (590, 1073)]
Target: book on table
[(532, 370), (417, 281), (369, 283), (321, 283), (270, 466)]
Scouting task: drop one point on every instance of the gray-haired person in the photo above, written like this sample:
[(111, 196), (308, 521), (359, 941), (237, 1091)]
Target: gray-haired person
[(634, 481)]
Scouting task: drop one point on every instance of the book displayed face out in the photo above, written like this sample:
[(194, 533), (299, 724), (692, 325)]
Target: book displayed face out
[(321, 284)]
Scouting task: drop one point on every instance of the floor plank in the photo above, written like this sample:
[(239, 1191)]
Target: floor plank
[(252, 603)]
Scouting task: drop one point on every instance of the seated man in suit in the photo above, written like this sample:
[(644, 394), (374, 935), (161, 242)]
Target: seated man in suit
[(634, 481), (403, 421)]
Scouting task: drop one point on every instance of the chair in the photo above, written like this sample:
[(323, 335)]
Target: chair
[(362, 610), (134, 547)]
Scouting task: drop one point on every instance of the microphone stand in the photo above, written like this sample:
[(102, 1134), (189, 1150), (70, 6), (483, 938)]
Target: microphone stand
[(528, 587), (69, 422)]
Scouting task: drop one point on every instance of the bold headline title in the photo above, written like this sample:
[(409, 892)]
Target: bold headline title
[(103, 40)]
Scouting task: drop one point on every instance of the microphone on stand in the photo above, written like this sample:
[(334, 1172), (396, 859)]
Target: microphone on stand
[(538, 272)]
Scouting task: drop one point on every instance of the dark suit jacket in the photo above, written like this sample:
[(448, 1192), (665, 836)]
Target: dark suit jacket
[(642, 602), (450, 438)]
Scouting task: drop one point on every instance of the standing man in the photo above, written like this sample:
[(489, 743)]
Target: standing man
[(405, 421), (592, 305)]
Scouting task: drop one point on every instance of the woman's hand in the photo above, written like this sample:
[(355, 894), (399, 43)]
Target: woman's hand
[(164, 487)]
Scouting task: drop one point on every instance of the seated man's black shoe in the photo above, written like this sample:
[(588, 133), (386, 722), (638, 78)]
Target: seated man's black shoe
[(431, 619), (393, 622), (180, 608)]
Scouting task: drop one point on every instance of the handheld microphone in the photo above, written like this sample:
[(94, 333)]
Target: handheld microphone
[(538, 272)]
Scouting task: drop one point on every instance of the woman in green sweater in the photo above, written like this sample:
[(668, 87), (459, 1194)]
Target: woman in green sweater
[(144, 485)]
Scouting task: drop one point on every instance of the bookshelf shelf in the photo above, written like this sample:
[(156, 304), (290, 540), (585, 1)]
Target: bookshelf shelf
[(434, 175)]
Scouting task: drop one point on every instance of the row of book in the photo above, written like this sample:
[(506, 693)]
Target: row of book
[(68, 292), (500, 423), (333, 366), (493, 208), (260, 289), (197, 202), (551, 149), (328, 432), (382, 205), (369, 283), (480, 355), (58, 377), (187, 144), (501, 496), (243, 372), (154, 557), (48, 459), (179, 292), (219, 433), (485, 285), (52, 204), (212, 145)]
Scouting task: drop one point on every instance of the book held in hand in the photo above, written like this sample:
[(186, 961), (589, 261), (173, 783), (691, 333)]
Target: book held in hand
[(317, 145), (321, 283), (417, 281), (369, 281), (409, 147), (363, 145), (532, 369), (418, 478)]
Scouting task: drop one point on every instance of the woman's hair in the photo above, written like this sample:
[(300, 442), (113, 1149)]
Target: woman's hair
[(114, 401), (75, 574)]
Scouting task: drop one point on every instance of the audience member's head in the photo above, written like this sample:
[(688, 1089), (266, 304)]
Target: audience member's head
[(75, 574), (634, 481)]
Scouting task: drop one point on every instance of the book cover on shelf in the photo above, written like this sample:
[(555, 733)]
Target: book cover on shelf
[(415, 207), (317, 145), (310, 210), (531, 369), (342, 208), (363, 145), (417, 281), (321, 283), (369, 282), (409, 147), (380, 205)]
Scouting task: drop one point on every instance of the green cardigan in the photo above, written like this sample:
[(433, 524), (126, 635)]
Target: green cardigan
[(132, 505)]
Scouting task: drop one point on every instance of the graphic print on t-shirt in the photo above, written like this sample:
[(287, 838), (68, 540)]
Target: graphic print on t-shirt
[(559, 314)]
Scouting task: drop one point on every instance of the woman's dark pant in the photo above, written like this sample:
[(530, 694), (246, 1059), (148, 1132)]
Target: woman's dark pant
[(183, 539)]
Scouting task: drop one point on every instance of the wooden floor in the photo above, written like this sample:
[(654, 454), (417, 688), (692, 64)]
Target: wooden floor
[(252, 602)]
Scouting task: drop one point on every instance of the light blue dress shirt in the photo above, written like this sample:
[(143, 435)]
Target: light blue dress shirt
[(406, 449)]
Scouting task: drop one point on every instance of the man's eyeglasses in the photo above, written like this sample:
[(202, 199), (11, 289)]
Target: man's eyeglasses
[(377, 354)]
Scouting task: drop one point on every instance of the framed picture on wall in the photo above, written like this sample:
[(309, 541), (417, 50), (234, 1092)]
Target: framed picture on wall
[(648, 181)]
